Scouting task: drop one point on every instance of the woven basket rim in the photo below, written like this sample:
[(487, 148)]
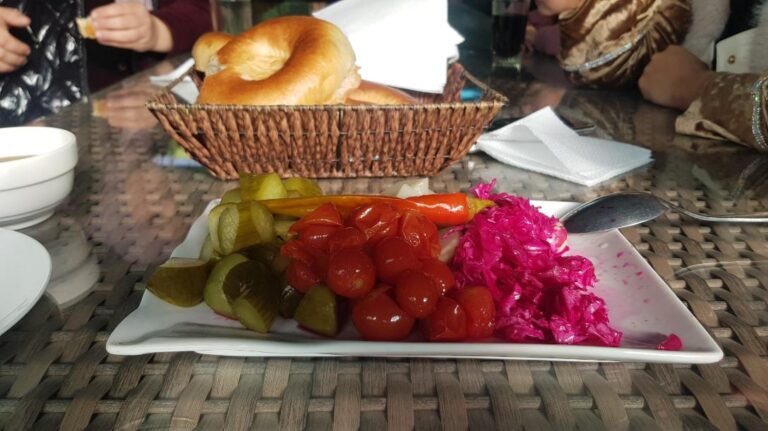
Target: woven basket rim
[(153, 104)]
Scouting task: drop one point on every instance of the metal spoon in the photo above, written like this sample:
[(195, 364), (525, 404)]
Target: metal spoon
[(619, 210)]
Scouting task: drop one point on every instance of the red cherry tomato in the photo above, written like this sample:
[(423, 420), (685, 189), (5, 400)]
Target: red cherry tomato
[(440, 274), (378, 317), (301, 276), (416, 293), (296, 250), (344, 238), (324, 215), (447, 323), (418, 231), (480, 309), (320, 264), (393, 256), (376, 221), (351, 273), (316, 237)]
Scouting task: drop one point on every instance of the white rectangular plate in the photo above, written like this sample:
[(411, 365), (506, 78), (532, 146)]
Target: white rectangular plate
[(640, 304)]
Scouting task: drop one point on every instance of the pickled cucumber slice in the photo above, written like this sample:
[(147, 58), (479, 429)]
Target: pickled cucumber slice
[(231, 196), (180, 281), (289, 301), (262, 186), (235, 229), (254, 294), (207, 252), (263, 221), (213, 225), (282, 228), (214, 287), (302, 187), (317, 311), (264, 252)]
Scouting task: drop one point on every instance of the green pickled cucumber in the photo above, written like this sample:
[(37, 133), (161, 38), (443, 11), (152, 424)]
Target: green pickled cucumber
[(263, 252), (263, 221), (282, 229), (269, 254), (289, 301), (262, 186), (254, 294), (180, 281), (231, 196), (214, 287), (318, 311), (302, 187), (213, 225)]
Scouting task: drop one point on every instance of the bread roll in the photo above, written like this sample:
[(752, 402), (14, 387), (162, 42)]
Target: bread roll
[(85, 28), (284, 61), (369, 93), (206, 47)]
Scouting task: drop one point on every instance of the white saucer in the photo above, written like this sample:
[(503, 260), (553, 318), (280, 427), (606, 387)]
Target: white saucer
[(25, 266)]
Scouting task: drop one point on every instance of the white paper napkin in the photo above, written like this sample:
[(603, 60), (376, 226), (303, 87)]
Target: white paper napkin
[(542, 143), (177, 72), (185, 89), (402, 43)]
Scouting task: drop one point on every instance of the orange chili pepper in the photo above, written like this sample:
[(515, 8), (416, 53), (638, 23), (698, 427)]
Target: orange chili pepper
[(448, 209)]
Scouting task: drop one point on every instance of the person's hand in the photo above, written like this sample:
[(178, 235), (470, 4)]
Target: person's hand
[(125, 108), (13, 53), (674, 78), (130, 26)]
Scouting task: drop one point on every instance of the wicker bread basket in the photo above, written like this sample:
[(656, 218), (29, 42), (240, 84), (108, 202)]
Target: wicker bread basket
[(331, 141)]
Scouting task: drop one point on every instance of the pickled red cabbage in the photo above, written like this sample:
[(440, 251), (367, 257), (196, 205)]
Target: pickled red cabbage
[(541, 294)]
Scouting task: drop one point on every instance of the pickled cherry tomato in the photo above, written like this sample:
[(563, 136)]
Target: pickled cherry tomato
[(480, 309), (344, 238), (447, 323), (324, 215), (392, 256), (416, 293), (301, 276), (351, 273), (440, 274), (376, 221), (378, 317), (296, 250), (420, 233), (316, 237)]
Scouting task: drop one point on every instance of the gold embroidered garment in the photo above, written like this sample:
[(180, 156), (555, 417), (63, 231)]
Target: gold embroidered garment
[(608, 43), (733, 107)]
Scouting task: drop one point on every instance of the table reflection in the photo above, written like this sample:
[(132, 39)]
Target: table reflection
[(74, 268)]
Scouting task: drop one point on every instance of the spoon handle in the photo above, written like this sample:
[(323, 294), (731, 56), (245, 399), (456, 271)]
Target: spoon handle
[(738, 218)]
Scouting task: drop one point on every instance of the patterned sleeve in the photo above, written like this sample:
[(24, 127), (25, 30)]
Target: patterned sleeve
[(733, 107), (608, 43)]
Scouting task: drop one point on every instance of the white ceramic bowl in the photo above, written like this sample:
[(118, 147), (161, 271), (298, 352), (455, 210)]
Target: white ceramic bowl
[(32, 186)]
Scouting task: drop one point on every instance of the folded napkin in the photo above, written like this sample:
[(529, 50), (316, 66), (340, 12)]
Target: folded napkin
[(402, 43), (542, 143), (186, 89), (177, 72)]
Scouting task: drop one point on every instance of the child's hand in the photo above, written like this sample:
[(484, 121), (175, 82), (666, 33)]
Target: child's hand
[(674, 78), (13, 53), (130, 26)]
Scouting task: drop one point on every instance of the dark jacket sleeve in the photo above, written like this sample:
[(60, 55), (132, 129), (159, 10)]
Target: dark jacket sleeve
[(187, 20)]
